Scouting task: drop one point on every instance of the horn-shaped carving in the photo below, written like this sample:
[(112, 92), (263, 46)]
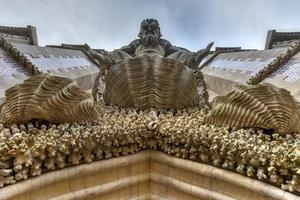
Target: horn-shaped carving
[(146, 81), (47, 97), (263, 106)]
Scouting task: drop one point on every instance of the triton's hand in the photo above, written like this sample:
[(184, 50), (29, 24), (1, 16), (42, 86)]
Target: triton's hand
[(209, 46), (195, 58), (104, 60), (202, 53), (87, 47)]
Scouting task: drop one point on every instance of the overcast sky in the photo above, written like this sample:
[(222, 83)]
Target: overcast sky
[(192, 24)]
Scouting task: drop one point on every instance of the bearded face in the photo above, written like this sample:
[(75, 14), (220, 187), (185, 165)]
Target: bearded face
[(150, 33)]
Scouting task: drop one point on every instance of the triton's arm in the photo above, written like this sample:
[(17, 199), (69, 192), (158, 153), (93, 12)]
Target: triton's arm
[(173, 49), (103, 59), (191, 59), (130, 49), (194, 60), (170, 49), (204, 52)]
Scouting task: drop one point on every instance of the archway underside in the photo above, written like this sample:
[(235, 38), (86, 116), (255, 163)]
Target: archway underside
[(145, 175)]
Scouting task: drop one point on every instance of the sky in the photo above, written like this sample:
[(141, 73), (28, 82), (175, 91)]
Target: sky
[(192, 24)]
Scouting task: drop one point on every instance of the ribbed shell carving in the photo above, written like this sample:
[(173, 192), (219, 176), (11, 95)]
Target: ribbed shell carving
[(47, 97), (146, 81), (264, 106)]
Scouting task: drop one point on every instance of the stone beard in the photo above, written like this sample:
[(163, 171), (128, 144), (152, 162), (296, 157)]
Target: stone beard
[(150, 40)]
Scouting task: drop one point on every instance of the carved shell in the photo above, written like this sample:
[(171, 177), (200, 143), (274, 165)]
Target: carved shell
[(263, 106), (47, 97), (146, 81)]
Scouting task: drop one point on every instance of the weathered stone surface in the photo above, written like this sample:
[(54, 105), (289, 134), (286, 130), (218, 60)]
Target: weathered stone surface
[(228, 69), (263, 106), (149, 72), (33, 149), (47, 97), (158, 82)]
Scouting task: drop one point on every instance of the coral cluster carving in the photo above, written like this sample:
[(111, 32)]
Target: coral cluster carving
[(50, 98), (264, 106), (32, 149), (146, 81)]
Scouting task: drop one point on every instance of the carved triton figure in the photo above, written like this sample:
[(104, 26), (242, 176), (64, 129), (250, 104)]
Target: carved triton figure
[(151, 43), (151, 72)]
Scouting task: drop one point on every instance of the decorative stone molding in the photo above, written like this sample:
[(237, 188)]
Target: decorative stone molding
[(30, 68), (211, 58), (275, 64), (148, 174), (29, 32), (85, 48)]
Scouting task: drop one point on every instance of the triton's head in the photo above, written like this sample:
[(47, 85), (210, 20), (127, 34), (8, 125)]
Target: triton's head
[(150, 32)]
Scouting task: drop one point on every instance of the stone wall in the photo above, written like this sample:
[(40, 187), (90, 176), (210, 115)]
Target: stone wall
[(278, 66), (68, 63), (227, 69)]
